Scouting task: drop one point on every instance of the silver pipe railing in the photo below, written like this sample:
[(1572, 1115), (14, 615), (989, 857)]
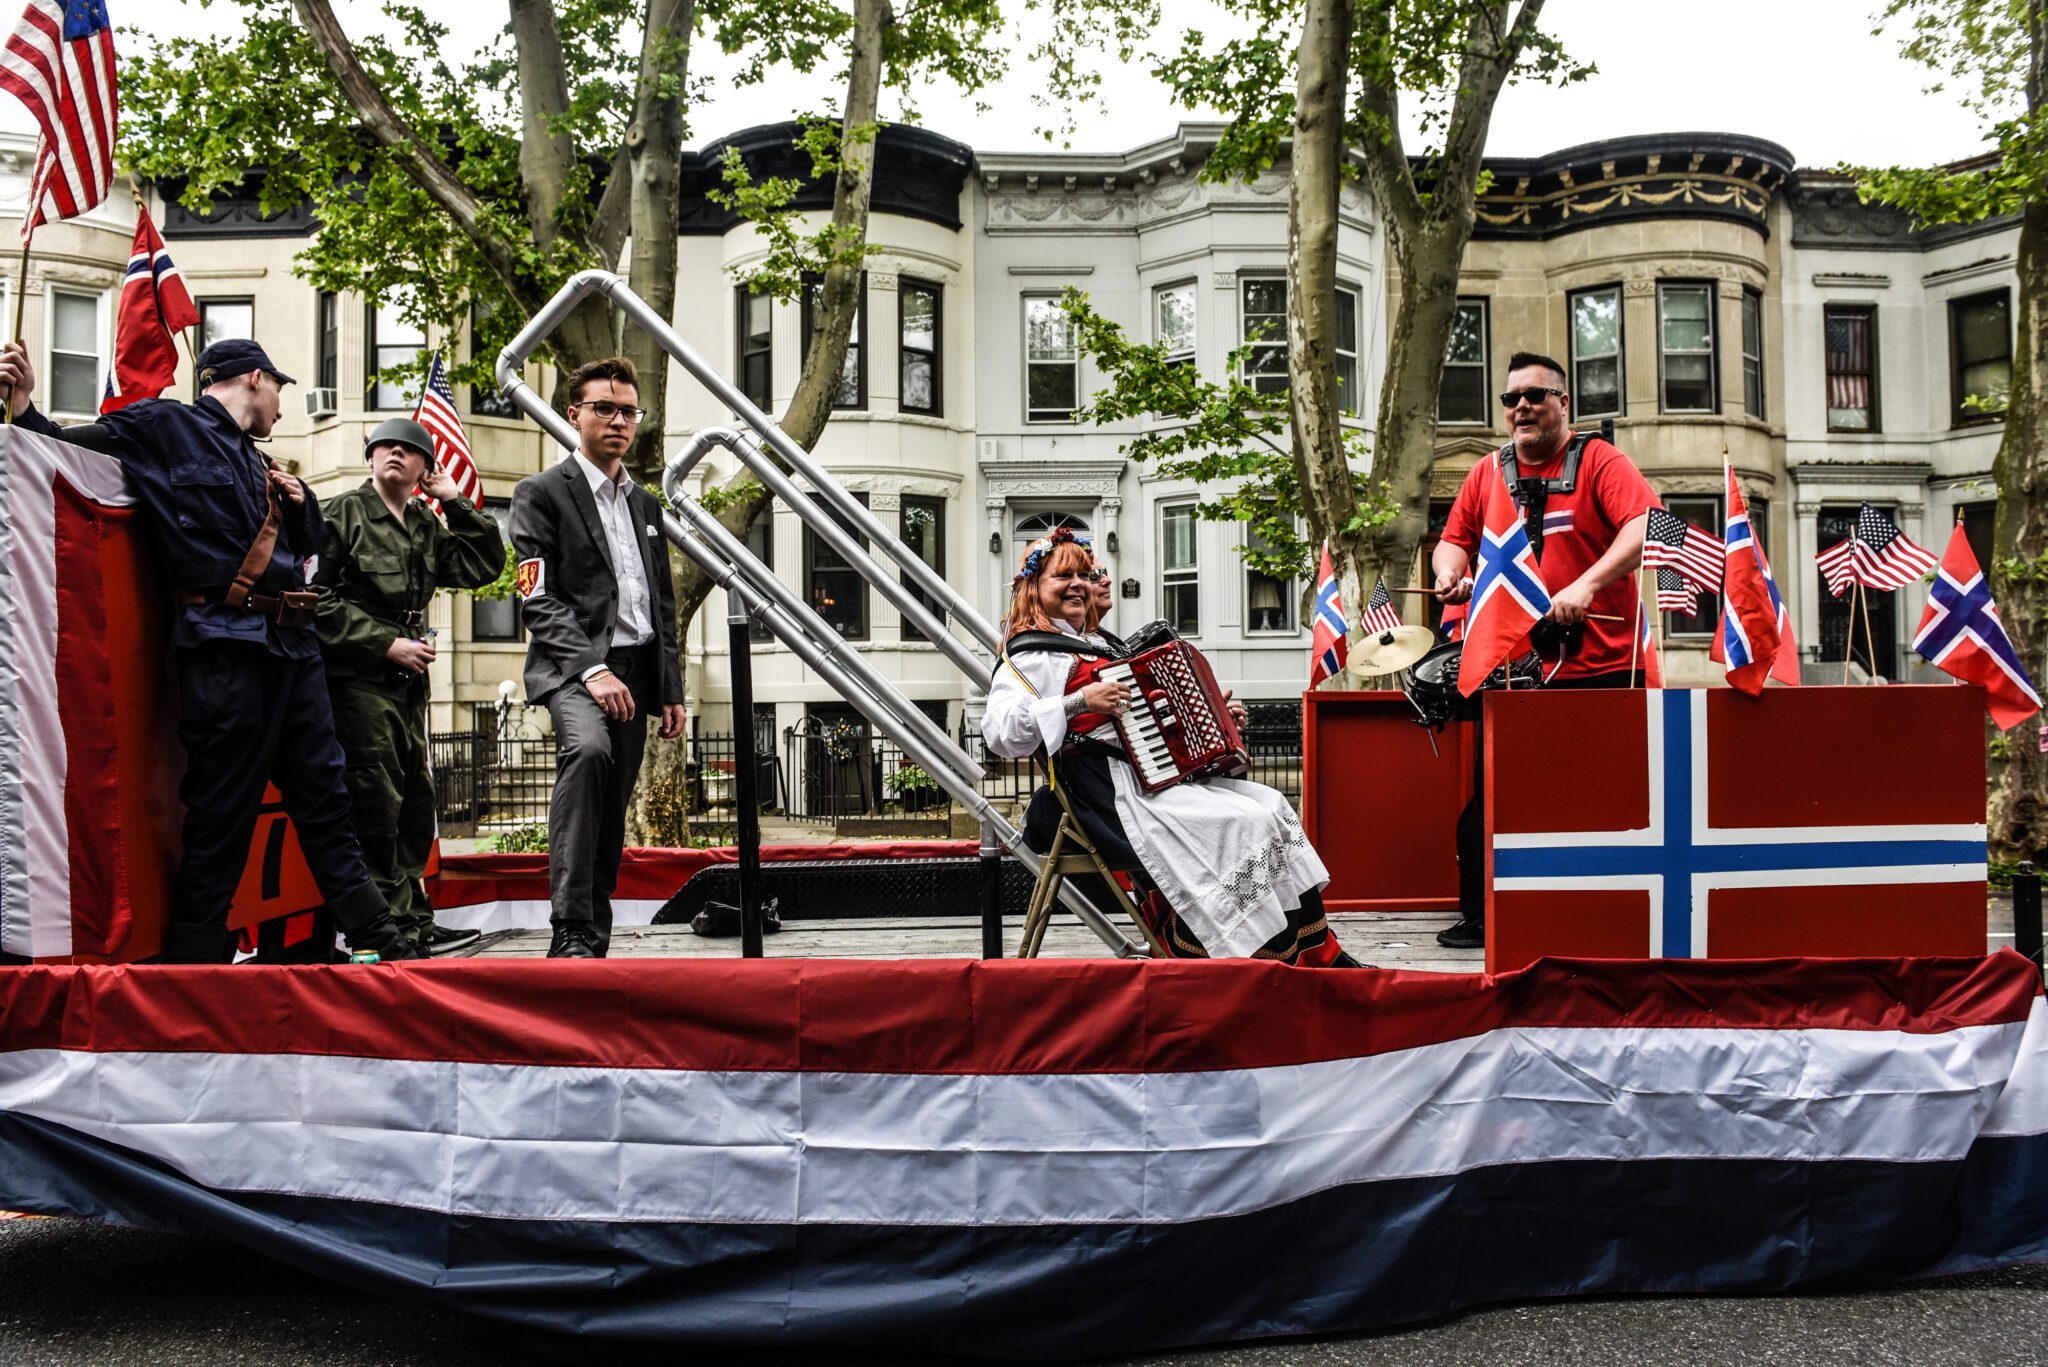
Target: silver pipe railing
[(765, 598)]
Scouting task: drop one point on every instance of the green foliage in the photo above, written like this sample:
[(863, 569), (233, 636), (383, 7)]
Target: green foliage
[(531, 838), (908, 778), (1978, 50), (1227, 437), (501, 587), (793, 255)]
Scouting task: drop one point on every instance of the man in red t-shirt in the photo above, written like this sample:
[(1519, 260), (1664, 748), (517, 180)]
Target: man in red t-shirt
[(1586, 505)]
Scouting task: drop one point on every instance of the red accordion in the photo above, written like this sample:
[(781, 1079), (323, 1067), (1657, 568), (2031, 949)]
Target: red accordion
[(1179, 726)]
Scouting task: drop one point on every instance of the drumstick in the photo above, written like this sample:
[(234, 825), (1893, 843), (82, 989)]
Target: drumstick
[(1591, 616)]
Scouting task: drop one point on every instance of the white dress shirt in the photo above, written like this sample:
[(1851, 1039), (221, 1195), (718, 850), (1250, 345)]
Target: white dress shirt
[(622, 537)]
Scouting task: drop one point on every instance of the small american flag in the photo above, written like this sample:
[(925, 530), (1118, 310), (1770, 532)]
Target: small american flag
[(1379, 610), (60, 62), (451, 446), (1670, 542), (1877, 555), (1676, 593)]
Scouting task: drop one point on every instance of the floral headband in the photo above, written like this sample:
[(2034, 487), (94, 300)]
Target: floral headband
[(1035, 557)]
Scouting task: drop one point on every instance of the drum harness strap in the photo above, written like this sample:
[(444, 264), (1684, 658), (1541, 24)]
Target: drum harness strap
[(1531, 493)]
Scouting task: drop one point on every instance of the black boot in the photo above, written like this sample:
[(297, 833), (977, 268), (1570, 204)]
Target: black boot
[(386, 937), (1469, 933), (574, 940)]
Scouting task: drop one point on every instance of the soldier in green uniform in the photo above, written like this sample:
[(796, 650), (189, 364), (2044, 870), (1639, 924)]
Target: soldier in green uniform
[(385, 555)]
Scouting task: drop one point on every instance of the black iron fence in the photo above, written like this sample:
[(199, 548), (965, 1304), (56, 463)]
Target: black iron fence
[(498, 778)]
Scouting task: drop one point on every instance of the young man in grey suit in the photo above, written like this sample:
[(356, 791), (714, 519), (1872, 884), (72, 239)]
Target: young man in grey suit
[(600, 613)]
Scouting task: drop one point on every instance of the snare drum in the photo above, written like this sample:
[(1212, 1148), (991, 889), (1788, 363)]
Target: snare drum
[(1432, 685)]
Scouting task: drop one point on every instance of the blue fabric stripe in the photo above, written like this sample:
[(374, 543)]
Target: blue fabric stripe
[(1358, 1257)]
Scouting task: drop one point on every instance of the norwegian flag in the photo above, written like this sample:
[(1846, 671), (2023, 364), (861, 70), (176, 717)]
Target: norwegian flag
[(59, 62), (1755, 641), (1877, 555), (451, 445), (1508, 593), (1961, 634), (1379, 610), (1669, 541), (155, 306), (1328, 648), (1676, 593)]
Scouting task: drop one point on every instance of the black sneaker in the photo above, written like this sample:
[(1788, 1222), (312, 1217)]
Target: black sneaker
[(1467, 934), (1344, 960), (441, 939)]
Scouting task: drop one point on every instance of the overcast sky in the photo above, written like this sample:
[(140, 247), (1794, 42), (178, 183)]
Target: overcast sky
[(1804, 73)]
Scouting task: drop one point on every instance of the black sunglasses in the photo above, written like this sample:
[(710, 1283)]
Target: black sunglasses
[(1535, 394)]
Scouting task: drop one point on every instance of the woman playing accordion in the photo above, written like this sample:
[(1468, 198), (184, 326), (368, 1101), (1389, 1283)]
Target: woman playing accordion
[(1229, 857)]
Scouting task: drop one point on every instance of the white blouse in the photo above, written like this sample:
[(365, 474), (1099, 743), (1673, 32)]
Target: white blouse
[(1027, 704)]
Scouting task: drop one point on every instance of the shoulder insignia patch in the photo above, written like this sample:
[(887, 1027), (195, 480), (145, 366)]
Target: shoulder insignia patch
[(530, 578)]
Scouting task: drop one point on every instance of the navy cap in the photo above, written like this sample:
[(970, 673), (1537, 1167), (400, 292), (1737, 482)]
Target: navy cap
[(235, 356)]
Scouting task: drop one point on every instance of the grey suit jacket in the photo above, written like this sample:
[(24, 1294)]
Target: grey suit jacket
[(571, 615)]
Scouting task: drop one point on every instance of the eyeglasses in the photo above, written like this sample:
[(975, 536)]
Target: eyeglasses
[(612, 412), (1535, 394)]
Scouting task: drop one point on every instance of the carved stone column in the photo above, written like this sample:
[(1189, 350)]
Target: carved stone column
[(1800, 575)]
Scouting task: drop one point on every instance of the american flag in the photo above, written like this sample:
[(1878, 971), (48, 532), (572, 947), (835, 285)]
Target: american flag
[(1877, 554), (451, 447), (1379, 610), (1670, 542), (1676, 593), (60, 62)]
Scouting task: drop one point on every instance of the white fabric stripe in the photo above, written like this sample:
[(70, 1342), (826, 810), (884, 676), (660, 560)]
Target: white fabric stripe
[(533, 914), (14, 902), (522, 1141), (41, 765)]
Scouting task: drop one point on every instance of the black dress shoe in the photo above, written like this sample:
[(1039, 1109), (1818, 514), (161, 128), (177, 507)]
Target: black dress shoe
[(1467, 934), (1344, 960), (448, 940), (574, 940)]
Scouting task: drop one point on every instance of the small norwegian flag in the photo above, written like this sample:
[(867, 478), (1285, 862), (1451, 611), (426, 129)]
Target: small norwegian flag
[(451, 445), (1379, 610), (1961, 634), (1669, 541), (1328, 649), (1755, 641), (1508, 593), (154, 307)]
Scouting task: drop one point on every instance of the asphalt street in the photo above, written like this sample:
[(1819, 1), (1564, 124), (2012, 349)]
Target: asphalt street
[(74, 1293)]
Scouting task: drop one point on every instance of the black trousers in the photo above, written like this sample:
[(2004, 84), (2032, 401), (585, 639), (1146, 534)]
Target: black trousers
[(248, 717), (597, 763), (1472, 820)]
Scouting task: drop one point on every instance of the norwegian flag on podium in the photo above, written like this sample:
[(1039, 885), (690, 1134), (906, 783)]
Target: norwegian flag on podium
[(1329, 647), (1960, 633), (1755, 641), (1704, 824), (1508, 593)]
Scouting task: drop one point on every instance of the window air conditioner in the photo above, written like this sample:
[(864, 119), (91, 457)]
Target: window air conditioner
[(321, 403)]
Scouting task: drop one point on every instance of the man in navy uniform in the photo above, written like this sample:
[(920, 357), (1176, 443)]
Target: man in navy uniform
[(235, 531)]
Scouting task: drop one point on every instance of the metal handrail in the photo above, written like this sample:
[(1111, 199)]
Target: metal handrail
[(691, 528)]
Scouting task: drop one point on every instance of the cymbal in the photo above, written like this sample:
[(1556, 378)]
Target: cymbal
[(1394, 649)]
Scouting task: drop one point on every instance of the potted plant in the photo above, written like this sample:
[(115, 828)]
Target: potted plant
[(912, 786)]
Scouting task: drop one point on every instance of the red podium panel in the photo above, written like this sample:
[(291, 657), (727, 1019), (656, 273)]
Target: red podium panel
[(1822, 822), (1379, 805)]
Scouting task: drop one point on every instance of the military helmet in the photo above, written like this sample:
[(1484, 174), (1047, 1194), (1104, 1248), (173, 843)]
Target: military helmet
[(403, 432)]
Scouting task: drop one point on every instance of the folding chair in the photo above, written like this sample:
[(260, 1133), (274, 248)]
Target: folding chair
[(1073, 853)]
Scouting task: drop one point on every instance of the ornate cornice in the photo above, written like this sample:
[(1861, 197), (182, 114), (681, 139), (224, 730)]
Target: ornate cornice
[(1828, 211), (1663, 175)]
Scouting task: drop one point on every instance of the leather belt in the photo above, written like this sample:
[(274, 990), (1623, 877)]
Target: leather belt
[(289, 608)]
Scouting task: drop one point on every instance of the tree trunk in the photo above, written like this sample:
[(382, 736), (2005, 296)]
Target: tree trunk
[(2019, 803), (1404, 447), (654, 147), (825, 353), (1317, 175)]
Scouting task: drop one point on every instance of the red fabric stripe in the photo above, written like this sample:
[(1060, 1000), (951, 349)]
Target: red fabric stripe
[(92, 808), (961, 1016)]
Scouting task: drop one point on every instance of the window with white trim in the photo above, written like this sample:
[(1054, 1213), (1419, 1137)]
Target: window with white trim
[(1753, 353), (1596, 352), (393, 342), (917, 316), (1052, 362), (77, 342), (1263, 301), (1268, 602), (1461, 395), (1346, 335), (1180, 589), (1173, 322), (1685, 348)]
